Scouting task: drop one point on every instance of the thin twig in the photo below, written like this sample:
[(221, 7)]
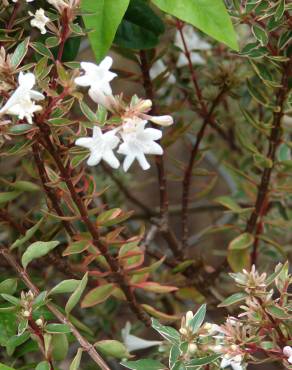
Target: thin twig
[(207, 115), (86, 346), (274, 142), (118, 274)]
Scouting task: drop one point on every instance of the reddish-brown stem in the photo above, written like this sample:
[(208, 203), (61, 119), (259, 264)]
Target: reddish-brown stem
[(274, 141), (117, 271), (38, 333), (206, 114), (86, 346), (188, 171), (13, 16)]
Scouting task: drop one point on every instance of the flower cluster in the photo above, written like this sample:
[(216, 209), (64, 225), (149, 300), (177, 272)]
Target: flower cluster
[(131, 138), (22, 102)]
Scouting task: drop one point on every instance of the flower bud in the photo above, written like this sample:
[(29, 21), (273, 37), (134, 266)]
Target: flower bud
[(183, 331), (189, 317), (25, 313), (164, 121), (145, 105), (39, 322), (192, 348)]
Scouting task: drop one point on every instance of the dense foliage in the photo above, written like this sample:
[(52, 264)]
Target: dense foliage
[(145, 176)]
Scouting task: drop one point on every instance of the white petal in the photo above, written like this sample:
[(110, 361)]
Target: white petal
[(128, 162), (26, 80), (106, 63), (83, 80), (98, 97), (143, 161), (236, 365), (224, 363), (153, 148), (96, 133), (85, 142), (35, 95), (152, 134), (94, 158), (109, 157), (89, 67)]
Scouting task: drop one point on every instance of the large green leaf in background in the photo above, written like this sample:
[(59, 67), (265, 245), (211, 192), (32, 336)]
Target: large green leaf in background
[(106, 17), (209, 16), (140, 28)]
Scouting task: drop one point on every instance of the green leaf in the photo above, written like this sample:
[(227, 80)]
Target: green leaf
[(234, 298), (198, 318), (44, 365), (75, 297), (203, 360), (209, 16), (36, 250), (59, 347), (9, 196), (4, 367), (10, 298), (29, 233), (277, 312), (42, 49), (238, 259), (112, 348), (76, 361), (97, 295), (241, 242), (19, 53), (8, 286), (106, 17), (148, 364), (88, 113), (65, 286), (57, 328), (169, 333), (25, 186), (260, 34), (140, 28), (229, 203)]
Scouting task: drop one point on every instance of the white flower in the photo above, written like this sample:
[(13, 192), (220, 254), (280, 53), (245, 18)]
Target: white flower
[(40, 20), (233, 362), (134, 343), (139, 141), (20, 102), (101, 147), (98, 78), (287, 351), (194, 42)]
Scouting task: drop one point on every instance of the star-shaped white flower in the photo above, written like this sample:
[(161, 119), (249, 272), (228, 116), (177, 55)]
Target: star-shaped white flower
[(139, 141), (134, 343), (234, 362), (101, 147), (98, 77), (21, 102), (40, 20), (287, 351)]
